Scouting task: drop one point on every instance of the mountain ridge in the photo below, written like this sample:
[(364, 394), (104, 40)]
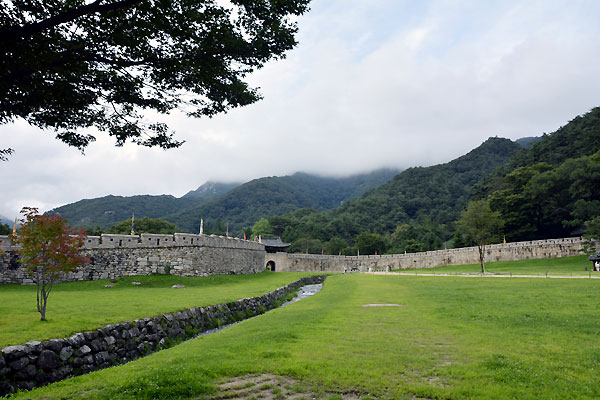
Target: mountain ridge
[(106, 211)]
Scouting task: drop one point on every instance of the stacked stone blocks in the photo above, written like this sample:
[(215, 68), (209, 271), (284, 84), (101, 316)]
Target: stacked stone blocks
[(39, 363), (550, 248), (180, 254)]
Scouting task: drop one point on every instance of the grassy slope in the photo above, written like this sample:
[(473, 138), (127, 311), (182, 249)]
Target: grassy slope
[(555, 266), (451, 338), (74, 307)]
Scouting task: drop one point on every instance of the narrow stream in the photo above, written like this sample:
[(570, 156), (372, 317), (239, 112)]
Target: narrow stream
[(302, 293)]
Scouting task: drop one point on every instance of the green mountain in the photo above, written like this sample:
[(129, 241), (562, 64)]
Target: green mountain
[(422, 201), (551, 189), (108, 210), (527, 141), (543, 188), (238, 205), (265, 197), (210, 190), (580, 137)]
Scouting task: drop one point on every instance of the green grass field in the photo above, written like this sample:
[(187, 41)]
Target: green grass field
[(450, 338), (555, 266), (79, 306)]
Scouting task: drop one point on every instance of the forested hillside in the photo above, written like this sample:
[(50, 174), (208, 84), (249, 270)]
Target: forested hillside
[(108, 210), (552, 188), (416, 210), (580, 137), (210, 190), (265, 197), (543, 187), (221, 204)]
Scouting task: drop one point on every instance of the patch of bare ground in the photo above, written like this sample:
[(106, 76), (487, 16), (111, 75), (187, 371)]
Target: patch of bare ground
[(274, 387)]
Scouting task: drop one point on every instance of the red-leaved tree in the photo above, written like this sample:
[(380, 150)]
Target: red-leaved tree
[(48, 247)]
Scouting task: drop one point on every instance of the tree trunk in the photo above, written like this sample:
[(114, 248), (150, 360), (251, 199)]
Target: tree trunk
[(42, 301), (44, 287), (481, 249), (43, 313)]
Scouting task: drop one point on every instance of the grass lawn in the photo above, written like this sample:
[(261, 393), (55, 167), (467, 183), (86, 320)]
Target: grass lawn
[(450, 338), (78, 306), (555, 266)]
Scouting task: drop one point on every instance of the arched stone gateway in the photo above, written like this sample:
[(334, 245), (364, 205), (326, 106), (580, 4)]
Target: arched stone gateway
[(270, 265)]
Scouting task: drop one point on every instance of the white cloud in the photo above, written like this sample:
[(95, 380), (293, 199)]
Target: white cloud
[(371, 84)]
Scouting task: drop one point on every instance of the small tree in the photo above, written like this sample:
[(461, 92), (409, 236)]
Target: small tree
[(592, 234), (262, 227), (481, 226), (369, 243), (47, 248), (5, 229), (143, 225)]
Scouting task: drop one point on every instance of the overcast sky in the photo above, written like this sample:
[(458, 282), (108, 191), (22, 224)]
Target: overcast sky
[(372, 83)]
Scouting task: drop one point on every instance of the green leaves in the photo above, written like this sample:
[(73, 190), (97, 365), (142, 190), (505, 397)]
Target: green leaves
[(48, 245), (68, 65), (479, 223), (143, 225)]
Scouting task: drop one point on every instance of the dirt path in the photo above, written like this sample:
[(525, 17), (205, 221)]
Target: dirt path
[(272, 387)]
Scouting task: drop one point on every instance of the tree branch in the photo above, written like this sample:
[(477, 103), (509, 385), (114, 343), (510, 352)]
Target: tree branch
[(28, 30)]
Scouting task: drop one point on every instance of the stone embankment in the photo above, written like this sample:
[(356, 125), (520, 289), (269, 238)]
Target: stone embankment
[(39, 363)]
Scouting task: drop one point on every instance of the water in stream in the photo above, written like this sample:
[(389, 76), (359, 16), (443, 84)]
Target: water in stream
[(302, 293)]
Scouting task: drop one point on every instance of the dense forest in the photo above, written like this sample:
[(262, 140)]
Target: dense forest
[(221, 204), (543, 188), (266, 197), (210, 190), (413, 212), (552, 188), (106, 211)]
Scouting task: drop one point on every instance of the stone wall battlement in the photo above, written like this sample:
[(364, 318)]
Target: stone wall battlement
[(147, 240), (180, 254), (550, 248)]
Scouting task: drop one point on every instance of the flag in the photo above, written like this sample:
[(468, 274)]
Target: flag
[(132, 224), (201, 226), (227, 232)]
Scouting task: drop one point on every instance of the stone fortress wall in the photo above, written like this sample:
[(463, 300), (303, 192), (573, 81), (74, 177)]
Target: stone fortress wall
[(550, 248), (121, 255), (199, 255)]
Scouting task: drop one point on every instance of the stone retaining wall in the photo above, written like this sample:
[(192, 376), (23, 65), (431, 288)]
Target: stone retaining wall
[(39, 363)]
